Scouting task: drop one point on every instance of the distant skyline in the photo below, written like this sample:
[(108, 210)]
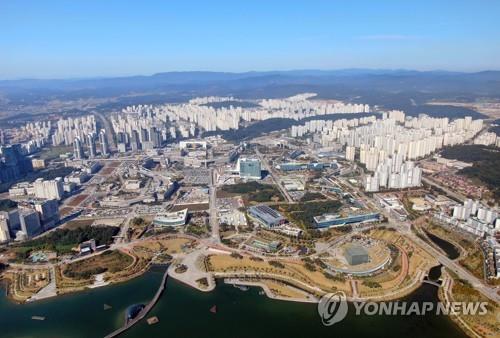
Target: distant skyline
[(75, 39)]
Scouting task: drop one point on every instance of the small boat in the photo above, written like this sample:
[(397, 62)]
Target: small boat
[(107, 307), (38, 318), (262, 293), (152, 320), (213, 309), (241, 287)]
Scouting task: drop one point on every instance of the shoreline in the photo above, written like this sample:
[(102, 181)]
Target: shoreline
[(6, 284), (244, 280), (446, 296), (267, 292), (241, 280), (236, 282)]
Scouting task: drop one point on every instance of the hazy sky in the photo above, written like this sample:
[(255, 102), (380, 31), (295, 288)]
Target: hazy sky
[(61, 39)]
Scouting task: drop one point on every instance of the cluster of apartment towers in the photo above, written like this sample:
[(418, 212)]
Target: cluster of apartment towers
[(388, 147), (199, 114)]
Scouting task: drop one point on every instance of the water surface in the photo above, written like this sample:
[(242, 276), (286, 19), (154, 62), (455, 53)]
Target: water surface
[(451, 250), (185, 312)]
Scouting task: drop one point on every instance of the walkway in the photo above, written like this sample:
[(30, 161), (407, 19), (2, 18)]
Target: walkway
[(193, 273), (144, 311)]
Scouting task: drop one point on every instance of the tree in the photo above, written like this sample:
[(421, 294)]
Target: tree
[(138, 221)]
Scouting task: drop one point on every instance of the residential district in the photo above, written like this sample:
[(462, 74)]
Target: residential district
[(342, 198)]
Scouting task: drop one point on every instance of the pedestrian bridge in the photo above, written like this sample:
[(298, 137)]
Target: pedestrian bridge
[(144, 311)]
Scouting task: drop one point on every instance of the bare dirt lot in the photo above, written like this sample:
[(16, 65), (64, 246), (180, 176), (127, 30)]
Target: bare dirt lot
[(77, 200)]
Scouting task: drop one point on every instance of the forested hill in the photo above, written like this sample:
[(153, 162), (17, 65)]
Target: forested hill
[(486, 163)]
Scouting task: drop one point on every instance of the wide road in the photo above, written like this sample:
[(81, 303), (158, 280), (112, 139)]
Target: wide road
[(488, 291), (272, 174), (108, 128), (214, 222), (405, 228)]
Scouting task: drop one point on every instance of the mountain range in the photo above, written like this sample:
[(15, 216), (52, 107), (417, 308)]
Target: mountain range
[(399, 88)]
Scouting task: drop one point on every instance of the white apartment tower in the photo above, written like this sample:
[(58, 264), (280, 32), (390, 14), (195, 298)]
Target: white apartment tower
[(350, 153), (52, 189)]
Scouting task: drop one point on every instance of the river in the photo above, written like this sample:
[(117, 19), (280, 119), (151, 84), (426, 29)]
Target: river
[(185, 312)]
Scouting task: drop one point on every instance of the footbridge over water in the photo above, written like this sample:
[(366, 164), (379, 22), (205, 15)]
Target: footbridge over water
[(144, 311)]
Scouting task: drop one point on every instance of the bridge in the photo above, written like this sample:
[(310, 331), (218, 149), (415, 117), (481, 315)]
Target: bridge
[(144, 311)]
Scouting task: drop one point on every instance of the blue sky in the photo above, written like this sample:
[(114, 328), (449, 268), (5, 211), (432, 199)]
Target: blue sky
[(61, 39)]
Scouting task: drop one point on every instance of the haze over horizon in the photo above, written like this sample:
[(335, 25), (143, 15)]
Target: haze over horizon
[(109, 39), (319, 71)]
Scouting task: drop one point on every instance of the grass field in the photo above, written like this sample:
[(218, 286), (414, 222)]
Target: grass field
[(411, 260), (281, 289), (77, 200), (64, 211), (289, 271), (474, 262), (147, 249), (486, 325), (112, 261), (106, 171)]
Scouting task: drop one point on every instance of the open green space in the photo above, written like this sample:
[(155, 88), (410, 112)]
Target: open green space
[(254, 191), (304, 213), (112, 261), (63, 240), (311, 196)]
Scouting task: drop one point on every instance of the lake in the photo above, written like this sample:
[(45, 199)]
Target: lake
[(185, 312)]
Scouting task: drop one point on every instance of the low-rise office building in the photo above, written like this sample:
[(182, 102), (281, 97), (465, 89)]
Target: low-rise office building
[(335, 220), (266, 216), (172, 219)]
